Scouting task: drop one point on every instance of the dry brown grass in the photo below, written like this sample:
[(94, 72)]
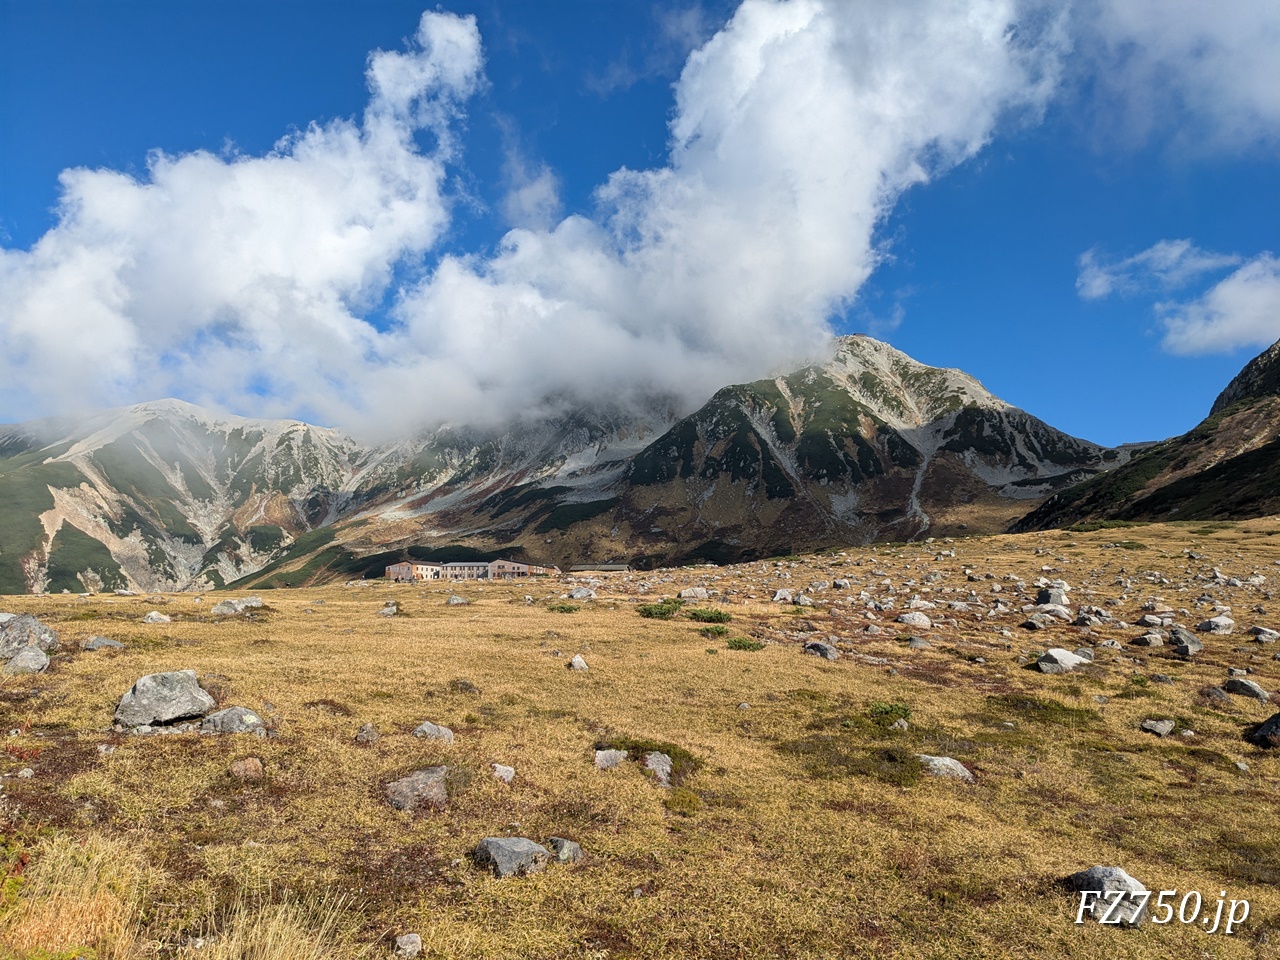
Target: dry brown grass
[(786, 853)]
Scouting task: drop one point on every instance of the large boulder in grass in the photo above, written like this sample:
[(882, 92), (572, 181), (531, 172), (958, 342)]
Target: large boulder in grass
[(511, 856), (1268, 733), (1129, 912), (28, 660), (164, 698), (1057, 660), (420, 789), (24, 630)]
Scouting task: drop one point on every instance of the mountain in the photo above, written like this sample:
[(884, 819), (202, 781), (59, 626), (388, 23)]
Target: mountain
[(1226, 467), (865, 445)]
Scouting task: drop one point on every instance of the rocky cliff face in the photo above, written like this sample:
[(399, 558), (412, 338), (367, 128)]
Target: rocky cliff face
[(867, 445), (1227, 467)]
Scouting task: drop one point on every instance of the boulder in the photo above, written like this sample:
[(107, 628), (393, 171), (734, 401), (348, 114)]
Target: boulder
[(566, 851), (504, 773), (1057, 660), (457, 601), (163, 698), (511, 856), (27, 660), (101, 643), (420, 789), (1264, 635), (1246, 688), (155, 616), (1054, 595), (913, 618), (430, 731), (1186, 644), (577, 663), (408, 946), (817, 648), (24, 630), (1161, 728), (1217, 625), (229, 608), (918, 643), (608, 759), (659, 764), (693, 593), (1268, 732), (945, 767), (586, 593), (1129, 912), (233, 720), (782, 596), (1149, 640)]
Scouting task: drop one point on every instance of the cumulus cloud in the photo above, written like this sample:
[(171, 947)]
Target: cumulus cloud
[(1168, 265), (246, 282), (1205, 72), (1243, 310)]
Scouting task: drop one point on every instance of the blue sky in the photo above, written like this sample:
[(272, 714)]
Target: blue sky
[(1078, 205)]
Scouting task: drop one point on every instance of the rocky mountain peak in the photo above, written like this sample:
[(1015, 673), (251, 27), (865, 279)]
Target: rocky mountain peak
[(1260, 378)]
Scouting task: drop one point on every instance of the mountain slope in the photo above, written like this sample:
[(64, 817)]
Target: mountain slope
[(1226, 467)]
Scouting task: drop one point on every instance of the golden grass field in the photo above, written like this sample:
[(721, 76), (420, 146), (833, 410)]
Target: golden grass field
[(798, 836)]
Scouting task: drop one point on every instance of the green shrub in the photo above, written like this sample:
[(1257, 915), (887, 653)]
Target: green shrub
[(682, 801), (885, 714), (707, 615), (716, 630), (564, 608), (660, 611), (744, 643)]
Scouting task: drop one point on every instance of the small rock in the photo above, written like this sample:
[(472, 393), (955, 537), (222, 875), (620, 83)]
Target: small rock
[(817, 648), (408, 946), (101, 643), (367, 734), (431, 731), (155, 616), (1084, 653), (608, 759), (457, 601), (26, 773), (1242, 766), (900, 724), (660, 765), (782, 596), (504, 773), (422, 788), (577, 663), (248, 770), (918, 643), (1161, 728), (511, 856), (1149, 640), (914, 618), (566, 851), (1264, 635), (946, 767)]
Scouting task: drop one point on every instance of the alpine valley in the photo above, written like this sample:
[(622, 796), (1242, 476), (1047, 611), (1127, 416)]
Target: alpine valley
[(866, 445)]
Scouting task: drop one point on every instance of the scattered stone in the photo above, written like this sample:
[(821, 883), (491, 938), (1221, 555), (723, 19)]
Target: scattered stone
[(608, 759), (230, 608), (1149, 640), (566, 851), (155, 616), (27, 660), (1148, 620), (659, 764), (900, 724), (1242, 766), (582, 593), (1057, 660), (504, 773), (946, 767), (1246, 688), (918, 643), (389, 609), (1083, 652), (1129, 912), (1161, 728), (914, 618), (1055, 596), (248, 770), (26, 773), (164, 698), (101, 643), (817, 648), (1264, 635), (577, 663), (24, 630), (234, 720), (1111, 644), (367, 734), (782, 596), (693, 593), (422, 788), (1217, 625), (408, 946), (511, 856), (803, 601), (430, 731), (457, 601)]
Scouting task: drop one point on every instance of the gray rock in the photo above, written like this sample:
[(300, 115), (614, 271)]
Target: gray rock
[(802, 600), (101, 643), (1268, 732), (1129, 912), (430, 731), (946, 767), (1264, 635), (155, 616), (1188, 646), (457, 601), (1161, 728), (27, 660), (163, 698), (918, 643), (1217, 625), (1083, 652), (234, 720), (566, 851), (1051, 595), (1148, 620), (24, 630), (420, 789), (900, 724), (408, 946), (511, 856), (367, 734), (659, 764), (1111, 644), (608, 759), (1246, 688), (1149, 640), (840, 584), (914, 618), (782, 596), (586, 593), (389, 609), (693, 593), (817, 648), (577, 663), (1057, 660), (1215, 695), (504, 773)]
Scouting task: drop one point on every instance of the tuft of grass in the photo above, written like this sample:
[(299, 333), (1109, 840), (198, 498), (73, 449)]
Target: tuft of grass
[(744, 643), (833, 756), (709, 615), (290, 930), (564, 608)]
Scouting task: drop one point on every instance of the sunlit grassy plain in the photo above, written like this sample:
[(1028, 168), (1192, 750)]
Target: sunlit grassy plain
[(795, 838)]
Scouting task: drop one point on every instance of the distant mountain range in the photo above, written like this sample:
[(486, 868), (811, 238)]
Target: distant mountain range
[(867, 445), (1227, 467)]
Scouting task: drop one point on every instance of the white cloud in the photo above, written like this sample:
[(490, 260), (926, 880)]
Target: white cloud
[(1168, 265), (244, 281), (1208, 73), (1242, 310)]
